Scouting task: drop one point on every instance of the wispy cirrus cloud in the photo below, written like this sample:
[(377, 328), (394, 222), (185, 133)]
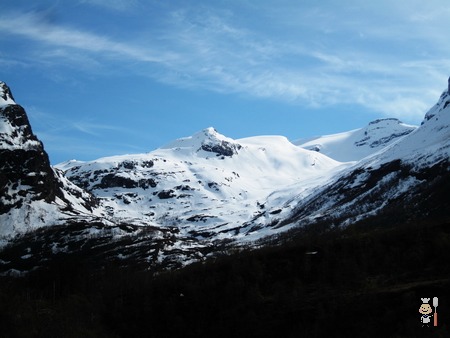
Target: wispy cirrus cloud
[(57, 124), (95, 129), (322, 57), (35, 27), (314, 71), (62, 135)]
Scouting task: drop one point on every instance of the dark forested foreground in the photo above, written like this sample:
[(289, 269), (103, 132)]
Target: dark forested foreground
[(349, 282)]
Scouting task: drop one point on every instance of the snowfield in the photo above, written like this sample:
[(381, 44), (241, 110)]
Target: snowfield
[(206, 185)]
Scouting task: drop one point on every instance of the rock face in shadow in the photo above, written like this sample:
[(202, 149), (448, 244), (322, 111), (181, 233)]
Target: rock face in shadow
[(25, 167), (25, 171)]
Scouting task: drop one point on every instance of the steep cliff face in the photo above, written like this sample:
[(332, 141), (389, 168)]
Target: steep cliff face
[(27, 181), (25, 170)]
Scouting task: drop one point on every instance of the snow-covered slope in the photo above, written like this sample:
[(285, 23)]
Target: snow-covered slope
[(206, 185), (406, 180), (428, 144), (356, 144)]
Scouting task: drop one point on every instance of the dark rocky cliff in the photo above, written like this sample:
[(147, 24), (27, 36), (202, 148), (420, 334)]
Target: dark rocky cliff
[(25, 171)]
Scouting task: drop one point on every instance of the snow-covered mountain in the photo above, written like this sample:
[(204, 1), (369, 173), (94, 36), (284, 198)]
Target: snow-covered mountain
[(406, 180), (356, 144), (206, 185), (196, 195), (32, 193)]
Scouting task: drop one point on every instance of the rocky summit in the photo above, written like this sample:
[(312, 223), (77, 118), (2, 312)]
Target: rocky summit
[(32, 192), (25, 172)]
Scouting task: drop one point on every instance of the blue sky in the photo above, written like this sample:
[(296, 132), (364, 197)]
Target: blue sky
[(109, 77)]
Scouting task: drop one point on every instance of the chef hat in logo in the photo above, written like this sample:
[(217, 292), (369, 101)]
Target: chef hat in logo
[(425, 300)]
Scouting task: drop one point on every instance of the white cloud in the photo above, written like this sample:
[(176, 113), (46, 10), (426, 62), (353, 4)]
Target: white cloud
[(318, 57), (8, 63), (32, 26), (95, 129), (56, 124)]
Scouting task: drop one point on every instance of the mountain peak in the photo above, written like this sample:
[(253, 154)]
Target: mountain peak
[(15, 128), (385, 121), (6, 97), (209, 134), (390, 124), (359, 143), (442, 104), (26, 177), (25, 168), (208, 140), (210, 131)]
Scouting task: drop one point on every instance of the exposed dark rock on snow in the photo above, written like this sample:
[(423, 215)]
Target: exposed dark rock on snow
[(5, 92), (224, 148), (24, 167), (25, 171)]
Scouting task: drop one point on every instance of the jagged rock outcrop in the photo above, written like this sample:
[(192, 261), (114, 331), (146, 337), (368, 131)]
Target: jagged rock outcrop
[(26, 175), (25, 166)]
